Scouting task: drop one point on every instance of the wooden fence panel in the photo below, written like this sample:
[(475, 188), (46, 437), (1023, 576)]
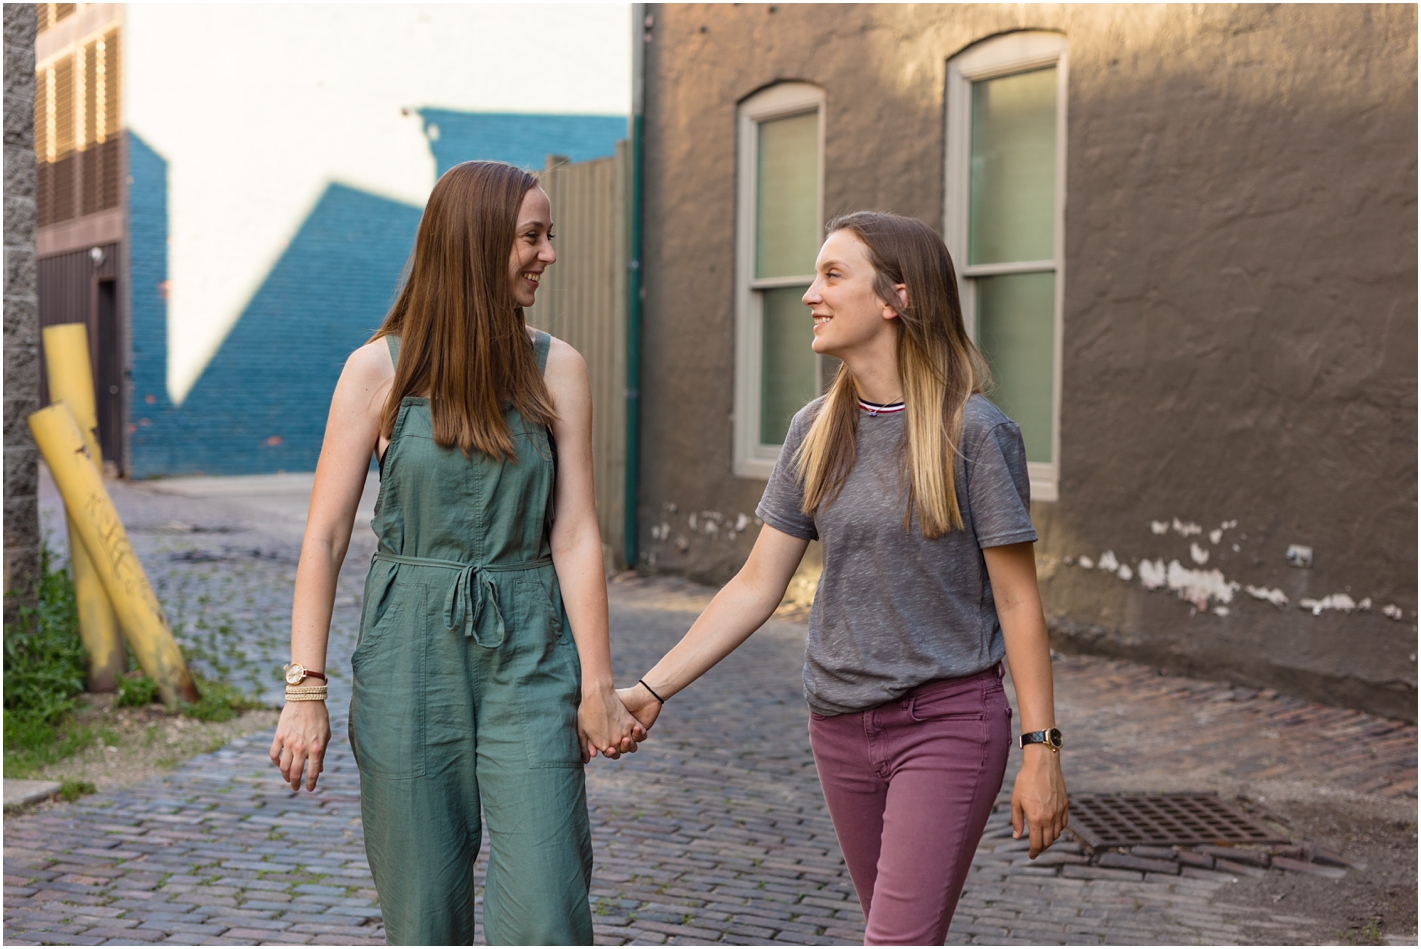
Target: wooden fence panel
[(583, 301)]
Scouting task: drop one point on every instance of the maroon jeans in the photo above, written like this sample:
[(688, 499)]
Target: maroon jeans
[(909, 786)]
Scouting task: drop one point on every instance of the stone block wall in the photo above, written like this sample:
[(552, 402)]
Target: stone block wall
[(21, 305)]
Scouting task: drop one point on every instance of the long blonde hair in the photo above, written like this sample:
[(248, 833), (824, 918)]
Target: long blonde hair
[(938, 365), (462, 337)]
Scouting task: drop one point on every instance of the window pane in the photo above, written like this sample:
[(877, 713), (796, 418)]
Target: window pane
[(1016, 329), (787, 361), (787, 197), (1013, 168)]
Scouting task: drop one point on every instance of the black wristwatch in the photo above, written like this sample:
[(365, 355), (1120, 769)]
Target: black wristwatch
[(1051, 738)]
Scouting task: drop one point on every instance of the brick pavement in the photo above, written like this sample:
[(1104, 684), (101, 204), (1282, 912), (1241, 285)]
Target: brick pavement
[(714, 832)]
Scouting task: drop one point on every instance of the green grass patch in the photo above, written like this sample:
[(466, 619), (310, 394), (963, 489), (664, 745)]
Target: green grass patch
[(136, 690), (44, 674), (71, 791), (219, 702)]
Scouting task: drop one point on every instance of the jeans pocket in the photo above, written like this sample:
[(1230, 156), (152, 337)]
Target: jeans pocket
[(947, 706)]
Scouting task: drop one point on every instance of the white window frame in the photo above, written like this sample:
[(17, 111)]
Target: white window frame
[(1003, 56), (750, 458)]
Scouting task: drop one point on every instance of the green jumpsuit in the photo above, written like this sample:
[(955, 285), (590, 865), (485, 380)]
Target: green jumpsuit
[(466, 690)]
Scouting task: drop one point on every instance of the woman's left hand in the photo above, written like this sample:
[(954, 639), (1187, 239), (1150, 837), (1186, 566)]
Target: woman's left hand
[(1039, 798), (605, 725)]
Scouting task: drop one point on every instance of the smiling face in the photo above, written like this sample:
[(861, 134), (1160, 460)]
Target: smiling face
[(849, 315), (532, 246)]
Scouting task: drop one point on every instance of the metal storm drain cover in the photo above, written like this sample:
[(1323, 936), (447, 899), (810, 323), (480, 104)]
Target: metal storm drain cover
[(1163, 820)]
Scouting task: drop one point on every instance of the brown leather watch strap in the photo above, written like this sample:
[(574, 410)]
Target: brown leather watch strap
[(317, 675)]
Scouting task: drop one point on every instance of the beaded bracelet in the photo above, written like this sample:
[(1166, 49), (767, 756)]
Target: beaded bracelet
[(306, 693)]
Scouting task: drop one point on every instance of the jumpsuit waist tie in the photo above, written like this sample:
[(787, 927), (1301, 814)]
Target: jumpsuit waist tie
[(473, 595)]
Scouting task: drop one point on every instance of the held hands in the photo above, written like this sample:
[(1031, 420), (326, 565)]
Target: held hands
[(604, 725), (643, 706), (302, 736), (1039, 798)]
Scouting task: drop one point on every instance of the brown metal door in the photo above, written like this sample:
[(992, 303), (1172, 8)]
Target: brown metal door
[(108, 373), (81, 286)]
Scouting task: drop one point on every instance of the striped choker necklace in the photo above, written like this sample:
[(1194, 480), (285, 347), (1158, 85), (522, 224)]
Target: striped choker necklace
[(876, 408)]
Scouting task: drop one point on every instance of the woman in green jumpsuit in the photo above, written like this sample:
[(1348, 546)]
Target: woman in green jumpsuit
[(482, 678)]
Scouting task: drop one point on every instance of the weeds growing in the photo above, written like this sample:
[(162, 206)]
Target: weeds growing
[(71, 791), (45, 671), (44, 674), (136, 690)]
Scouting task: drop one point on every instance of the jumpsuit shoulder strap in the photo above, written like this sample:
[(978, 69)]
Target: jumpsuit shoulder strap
[(394, 343), (542, 342)]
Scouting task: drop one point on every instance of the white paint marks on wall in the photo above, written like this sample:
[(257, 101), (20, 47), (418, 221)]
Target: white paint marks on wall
[(1086, 563), (711, 524), (1200, 586), (1217, 534), (1195, 586), (1333, 601), (1275, 596)]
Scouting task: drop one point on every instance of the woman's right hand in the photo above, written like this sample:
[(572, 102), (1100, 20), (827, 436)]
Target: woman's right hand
[(302, 736), (641, 703)]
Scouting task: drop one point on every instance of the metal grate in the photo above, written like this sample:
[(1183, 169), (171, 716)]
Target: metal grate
[(1162, 820)]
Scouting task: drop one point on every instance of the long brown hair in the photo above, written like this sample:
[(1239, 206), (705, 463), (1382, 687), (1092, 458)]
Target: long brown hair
[(462, 337), (937, 364)]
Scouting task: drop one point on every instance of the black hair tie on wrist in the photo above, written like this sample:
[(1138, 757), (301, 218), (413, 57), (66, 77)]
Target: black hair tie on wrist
[(642, 683)]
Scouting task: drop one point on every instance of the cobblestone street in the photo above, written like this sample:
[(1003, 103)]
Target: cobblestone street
[(715, 832)]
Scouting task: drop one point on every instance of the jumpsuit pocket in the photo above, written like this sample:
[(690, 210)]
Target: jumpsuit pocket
[(549, 680), (387, 715)]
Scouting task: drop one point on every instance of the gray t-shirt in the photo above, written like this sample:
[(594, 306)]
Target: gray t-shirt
[(894, 609)]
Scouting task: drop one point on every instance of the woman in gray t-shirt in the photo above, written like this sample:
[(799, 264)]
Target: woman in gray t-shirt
[(917, 487)]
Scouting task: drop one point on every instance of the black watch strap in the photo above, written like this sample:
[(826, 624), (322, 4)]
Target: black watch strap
[(1050, 737)]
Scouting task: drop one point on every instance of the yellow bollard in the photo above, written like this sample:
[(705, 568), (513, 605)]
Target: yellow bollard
[(66, 358), (79, 483)]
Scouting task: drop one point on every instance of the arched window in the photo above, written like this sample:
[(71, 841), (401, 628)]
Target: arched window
[(1005, 200), (779, 211)]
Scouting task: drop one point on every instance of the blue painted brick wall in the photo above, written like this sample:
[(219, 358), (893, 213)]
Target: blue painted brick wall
[(260, 405)]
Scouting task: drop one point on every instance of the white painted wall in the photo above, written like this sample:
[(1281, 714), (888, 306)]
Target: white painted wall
[(258, 107)]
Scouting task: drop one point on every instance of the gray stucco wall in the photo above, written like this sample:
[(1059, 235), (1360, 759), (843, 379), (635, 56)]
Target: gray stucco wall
[(21, 303), (1239, 318)]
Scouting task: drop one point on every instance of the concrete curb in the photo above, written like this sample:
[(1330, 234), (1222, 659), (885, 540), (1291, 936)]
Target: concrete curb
[(20, 793)]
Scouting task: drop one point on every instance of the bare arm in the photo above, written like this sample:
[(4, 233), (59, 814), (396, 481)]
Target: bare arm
[(352, 430), (603, 724), (740, 608), (1039, 796)]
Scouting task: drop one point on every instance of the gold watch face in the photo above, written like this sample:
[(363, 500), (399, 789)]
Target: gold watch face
[(295, 673)]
